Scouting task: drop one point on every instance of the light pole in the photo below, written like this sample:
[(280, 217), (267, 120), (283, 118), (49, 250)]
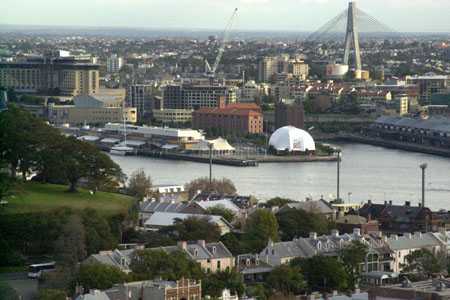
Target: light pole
[(210, 146), (338, 181), (423, 167)]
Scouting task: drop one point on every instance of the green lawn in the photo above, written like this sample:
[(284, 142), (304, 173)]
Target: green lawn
[(37, 197)]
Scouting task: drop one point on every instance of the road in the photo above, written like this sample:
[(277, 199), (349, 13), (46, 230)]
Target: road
[(26, 288)]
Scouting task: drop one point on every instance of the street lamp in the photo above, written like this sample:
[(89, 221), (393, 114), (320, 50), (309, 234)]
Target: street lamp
[(210, 146), (338, 178), (423, 167)]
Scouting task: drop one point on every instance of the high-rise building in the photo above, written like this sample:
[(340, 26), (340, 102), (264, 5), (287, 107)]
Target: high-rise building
[(140, 96), (269, 67), (266, 69), (289, 113), (190, 96), (114, 63), (51, 74)]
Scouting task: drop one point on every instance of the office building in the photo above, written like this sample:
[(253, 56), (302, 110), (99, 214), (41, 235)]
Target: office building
[(251, 92), (140, 97), (172, 116), (238, 119), (191, 96), (51, 74), (289, 113), (429, 86), (114, 63), (92, 109), (270, 68)]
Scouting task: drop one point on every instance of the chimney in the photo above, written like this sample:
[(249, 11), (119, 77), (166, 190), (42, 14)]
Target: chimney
[(334, 233), (182, 245), (390, 202), (385, 203), (369, 202), (407, 203), (313, 235), (202, 243)]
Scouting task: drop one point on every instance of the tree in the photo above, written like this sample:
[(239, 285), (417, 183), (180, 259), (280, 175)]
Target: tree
[(323, 273), (299, 223), (287, 280), (214, 284), (98, 232), (139, 184), (352, 257), (103, 174), (193, 228), (423, 262), (277, 201), (220, 210), (222, 186), (261, 226), (100, 276), (150, 264), (71, 245)]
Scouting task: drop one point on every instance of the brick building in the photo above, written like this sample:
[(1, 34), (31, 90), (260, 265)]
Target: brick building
[(236, 118), (289, 113)]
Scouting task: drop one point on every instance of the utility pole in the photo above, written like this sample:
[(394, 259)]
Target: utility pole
[(423, 167), (210, 146), (338, 183)]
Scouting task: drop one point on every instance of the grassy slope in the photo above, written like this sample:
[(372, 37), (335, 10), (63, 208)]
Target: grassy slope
[(36, 197)]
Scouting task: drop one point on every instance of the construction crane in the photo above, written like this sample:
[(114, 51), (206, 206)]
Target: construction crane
[(211, 71)]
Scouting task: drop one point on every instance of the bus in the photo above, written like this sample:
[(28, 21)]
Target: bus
[(36, 270)]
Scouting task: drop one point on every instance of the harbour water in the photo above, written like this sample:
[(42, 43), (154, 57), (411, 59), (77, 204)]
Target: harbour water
[(367, 172)]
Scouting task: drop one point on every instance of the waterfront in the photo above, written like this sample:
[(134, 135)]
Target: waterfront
[(368, 172)]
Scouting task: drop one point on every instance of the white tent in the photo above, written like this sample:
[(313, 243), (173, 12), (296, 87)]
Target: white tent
[(218, 145), (292, 139)]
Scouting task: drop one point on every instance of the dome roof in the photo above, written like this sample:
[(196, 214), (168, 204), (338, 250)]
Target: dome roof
[(292, 139)]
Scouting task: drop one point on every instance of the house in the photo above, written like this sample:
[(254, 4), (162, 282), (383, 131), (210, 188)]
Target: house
[(347, 223), (212, 257), (252, 268), (94, 295), (378, 257), (148, 207), (312, 206), (160, 220), (398, 219), (169, 192), (408, 243), (120, 259), (436, 289), (157, 290)]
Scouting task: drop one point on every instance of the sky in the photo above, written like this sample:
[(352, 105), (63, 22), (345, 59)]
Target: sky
[(296, 15)]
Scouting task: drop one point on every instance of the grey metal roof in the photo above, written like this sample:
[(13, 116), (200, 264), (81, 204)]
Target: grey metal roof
[(161, 206), (434, 123), (413, 241)]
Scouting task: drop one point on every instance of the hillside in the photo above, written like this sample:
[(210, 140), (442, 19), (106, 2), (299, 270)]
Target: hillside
[(34, 197)]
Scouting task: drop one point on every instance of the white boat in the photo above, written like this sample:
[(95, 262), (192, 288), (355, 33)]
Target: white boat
[(121, 150)]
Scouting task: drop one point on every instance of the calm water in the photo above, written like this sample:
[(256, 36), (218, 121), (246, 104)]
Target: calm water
[(367, 172)]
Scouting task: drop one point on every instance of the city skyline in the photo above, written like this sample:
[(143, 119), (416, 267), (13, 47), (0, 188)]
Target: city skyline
[(292, 15)]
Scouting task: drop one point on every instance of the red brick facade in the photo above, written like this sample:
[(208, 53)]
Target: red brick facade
[(240, 118)]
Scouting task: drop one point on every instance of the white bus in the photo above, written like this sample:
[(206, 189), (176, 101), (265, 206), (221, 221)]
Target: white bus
[(36, 270)]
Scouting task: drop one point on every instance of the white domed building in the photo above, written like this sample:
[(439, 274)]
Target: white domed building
[(289, 139)]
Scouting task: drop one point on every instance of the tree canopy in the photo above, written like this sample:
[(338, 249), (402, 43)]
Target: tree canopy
[(222, 186), (149, 264), (139, 184), (299, 223), (323, 273), (261, 226), (287, 280), (192, 229), (100, 276)]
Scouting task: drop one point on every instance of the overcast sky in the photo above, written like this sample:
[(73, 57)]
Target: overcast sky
[(298, 15)]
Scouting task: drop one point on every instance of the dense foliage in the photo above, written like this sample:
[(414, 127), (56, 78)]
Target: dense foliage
[(222, 186), (299, 223), (99, 276)]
